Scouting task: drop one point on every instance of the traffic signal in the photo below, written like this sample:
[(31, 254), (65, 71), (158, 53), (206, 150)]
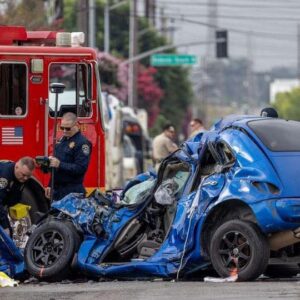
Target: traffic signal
[(221, 44), (58, 9)]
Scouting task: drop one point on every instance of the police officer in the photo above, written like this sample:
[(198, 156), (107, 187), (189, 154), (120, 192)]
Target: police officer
[(70, 164), (12, 179)]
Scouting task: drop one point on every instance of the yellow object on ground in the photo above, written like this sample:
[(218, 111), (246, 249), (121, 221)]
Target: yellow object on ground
[(5, 280), (19, 211)]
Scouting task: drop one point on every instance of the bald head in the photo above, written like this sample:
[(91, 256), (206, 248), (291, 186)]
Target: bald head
[(69, 124), (69, 116)]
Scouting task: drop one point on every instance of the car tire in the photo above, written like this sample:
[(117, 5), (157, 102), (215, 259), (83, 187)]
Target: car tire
[(239, 247), (50, 250), (287, 270), (28, 198)]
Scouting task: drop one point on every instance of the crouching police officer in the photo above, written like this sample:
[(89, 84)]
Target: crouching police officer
[(73, 153), (12, 179)]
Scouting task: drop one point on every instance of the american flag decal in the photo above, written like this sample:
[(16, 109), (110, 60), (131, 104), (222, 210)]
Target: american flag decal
[(12, 135)]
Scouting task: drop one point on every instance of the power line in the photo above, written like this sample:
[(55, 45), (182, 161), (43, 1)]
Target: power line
[(239, 5), (256, 34), (238, 31), (262, 18), (233, 30)]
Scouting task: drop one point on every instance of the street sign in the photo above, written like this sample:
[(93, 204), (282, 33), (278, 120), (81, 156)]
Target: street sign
[(161, 60)]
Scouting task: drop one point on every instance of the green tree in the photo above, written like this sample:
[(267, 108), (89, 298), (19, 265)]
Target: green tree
[(70, 9), (173, 80), (29, 13), (177, 91), (288, 104)]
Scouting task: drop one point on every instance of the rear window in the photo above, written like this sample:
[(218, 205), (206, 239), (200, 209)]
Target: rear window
[(277, 135)]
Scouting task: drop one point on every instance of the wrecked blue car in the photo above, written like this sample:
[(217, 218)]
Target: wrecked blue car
[(229, 198), (11, 257)]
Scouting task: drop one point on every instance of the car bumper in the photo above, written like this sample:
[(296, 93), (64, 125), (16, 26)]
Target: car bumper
[(277, 214), (289, 209)]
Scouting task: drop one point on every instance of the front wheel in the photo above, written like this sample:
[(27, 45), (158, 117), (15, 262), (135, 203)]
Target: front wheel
[(50, 250), (239, 247)]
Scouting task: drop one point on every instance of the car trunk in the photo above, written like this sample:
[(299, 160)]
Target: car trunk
[(281, 139)]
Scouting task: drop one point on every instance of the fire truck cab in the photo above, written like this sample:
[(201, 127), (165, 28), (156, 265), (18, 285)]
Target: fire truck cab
[(29, 63)]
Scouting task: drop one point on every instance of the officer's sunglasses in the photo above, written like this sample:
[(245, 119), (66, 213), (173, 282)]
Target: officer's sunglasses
[(65, 128)]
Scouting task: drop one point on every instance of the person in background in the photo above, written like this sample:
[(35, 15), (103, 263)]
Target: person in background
[(18, 111), (196, 126), (163, 144), (12, 179), (72, 156), (269, 112)]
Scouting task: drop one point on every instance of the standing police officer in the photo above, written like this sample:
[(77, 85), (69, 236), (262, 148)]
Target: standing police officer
[(12, 179), (72, 158)]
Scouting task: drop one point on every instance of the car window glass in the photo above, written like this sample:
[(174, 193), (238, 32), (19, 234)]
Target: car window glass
[(77, 93), (138, 192), (206, 167), (129, 150), (276, 134), (13, 89), (225, 153)]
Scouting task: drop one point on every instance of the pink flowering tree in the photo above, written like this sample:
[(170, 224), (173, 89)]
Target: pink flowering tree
[(149, 93), (114, 80)]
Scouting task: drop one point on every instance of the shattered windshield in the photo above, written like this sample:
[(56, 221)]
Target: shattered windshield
[(138, 192)]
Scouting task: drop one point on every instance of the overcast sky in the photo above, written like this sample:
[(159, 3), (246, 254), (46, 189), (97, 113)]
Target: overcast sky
[(264, 30)]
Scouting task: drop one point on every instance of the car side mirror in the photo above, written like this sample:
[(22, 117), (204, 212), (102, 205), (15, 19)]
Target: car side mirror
[(86, 104)]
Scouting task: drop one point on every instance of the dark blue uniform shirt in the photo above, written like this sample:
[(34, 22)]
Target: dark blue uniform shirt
[(74, 154), (10, 190)]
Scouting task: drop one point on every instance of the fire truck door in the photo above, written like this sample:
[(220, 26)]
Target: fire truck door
[(22, 99), (76, 98)]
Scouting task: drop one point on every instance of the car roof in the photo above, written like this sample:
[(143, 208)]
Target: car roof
[(234, 120)]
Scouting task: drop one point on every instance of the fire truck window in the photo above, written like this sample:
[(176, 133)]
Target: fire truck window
[(77, 94), (13, 89)]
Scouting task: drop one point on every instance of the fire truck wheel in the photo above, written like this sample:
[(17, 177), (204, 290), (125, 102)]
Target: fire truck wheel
[(239, 247), (29, 198), (50, 250)]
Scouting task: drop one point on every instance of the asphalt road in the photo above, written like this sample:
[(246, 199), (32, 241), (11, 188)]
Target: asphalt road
[(145, 290)]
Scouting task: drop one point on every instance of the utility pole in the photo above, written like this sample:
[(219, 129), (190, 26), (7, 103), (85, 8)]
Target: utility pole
[(82, 18), (163, 22), (92, 32), (212, 25), (212, 8), (150, 6), (250, 84), (132, 70), (298, 56), (106, 27), (107, 10)]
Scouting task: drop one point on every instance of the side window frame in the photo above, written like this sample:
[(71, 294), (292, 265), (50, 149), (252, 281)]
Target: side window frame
[(26, 102), (226, 154), (89, 90), (213, 160)]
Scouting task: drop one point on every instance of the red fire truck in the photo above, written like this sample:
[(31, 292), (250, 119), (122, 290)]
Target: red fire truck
[(29, 63)]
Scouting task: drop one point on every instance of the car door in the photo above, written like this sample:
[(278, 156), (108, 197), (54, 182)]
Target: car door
[(213, 178)]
